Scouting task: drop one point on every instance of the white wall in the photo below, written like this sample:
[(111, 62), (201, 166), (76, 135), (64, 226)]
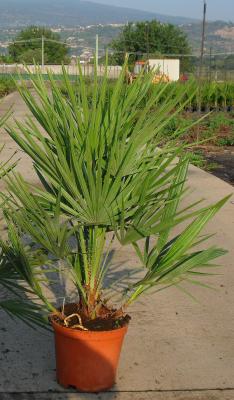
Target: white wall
[(87, 70), (167, 67)]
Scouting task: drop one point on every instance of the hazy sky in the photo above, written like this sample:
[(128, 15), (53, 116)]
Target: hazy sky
[(216, 9)]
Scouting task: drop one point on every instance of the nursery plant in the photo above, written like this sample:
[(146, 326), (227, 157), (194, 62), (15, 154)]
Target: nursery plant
[(9, 260), (6, 85), (103, 177)]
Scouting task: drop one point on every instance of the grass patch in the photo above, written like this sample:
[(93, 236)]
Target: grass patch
[(6, 86)]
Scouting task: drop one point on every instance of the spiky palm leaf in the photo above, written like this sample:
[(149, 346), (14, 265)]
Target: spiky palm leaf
[(102, 169), (5, 166), (21, 274), (17, 267)]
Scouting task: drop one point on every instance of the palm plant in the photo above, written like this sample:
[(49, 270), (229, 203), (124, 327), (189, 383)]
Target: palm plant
[(103, 176), (16, 264)]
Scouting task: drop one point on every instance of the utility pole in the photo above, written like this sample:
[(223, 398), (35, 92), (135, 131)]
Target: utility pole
[(97, 50), (210, 64), (42, 52), (147, 39), (201, 63), (203, 38)]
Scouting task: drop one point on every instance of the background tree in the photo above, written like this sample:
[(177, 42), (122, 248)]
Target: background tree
[(151, 39), (5, 59), (54, 52)]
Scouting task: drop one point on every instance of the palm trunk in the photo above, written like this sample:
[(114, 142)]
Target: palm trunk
[(90, 247)]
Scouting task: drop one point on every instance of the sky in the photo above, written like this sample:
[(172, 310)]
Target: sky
[(216, 9)]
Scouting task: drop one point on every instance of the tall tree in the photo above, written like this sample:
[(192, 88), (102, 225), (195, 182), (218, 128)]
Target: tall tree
[(149, 39), (29, 46)]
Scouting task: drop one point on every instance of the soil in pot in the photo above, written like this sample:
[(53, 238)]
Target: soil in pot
[(107, 320)]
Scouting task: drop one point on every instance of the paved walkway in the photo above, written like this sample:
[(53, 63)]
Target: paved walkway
[(175, 348)]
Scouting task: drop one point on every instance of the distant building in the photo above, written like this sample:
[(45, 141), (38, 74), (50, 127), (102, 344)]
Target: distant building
[(166, 67)]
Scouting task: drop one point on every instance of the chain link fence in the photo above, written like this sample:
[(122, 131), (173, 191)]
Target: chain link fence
[(216, 66)]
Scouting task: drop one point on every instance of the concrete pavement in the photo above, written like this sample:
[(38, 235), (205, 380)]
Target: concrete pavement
[(175, 348), (164, 395)]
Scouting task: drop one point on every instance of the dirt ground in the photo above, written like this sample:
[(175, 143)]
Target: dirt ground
[(217, 130), (224, 160)]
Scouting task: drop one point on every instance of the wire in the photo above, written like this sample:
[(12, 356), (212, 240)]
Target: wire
[(168, 55), (36, 40), (145, 42), (121, 52)]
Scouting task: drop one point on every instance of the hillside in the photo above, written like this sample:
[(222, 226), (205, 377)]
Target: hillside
[(79, 21), (15, 13), (219, 36)]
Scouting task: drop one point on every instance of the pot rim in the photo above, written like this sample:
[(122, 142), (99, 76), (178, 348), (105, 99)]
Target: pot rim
[(86, 335)]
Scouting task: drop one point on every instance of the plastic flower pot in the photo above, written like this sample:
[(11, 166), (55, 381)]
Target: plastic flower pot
[(87, 360)]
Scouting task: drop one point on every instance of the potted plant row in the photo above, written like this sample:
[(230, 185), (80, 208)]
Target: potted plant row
[(103, 176)]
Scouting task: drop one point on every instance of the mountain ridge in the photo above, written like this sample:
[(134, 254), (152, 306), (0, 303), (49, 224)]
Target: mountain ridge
[(59, 12)]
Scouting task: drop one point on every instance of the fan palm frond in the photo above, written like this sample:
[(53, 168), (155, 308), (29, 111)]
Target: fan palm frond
[(98, 154)]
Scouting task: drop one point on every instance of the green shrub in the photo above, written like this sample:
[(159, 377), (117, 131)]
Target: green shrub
[(6, 85), (104, 175)]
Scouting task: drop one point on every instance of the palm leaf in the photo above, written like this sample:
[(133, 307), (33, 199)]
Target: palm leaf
[(98, 154)]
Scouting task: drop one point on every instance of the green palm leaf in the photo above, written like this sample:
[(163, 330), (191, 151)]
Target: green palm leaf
[(98, 152)]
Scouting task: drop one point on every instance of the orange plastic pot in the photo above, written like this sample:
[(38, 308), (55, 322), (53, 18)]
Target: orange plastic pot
[(87, 360)]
